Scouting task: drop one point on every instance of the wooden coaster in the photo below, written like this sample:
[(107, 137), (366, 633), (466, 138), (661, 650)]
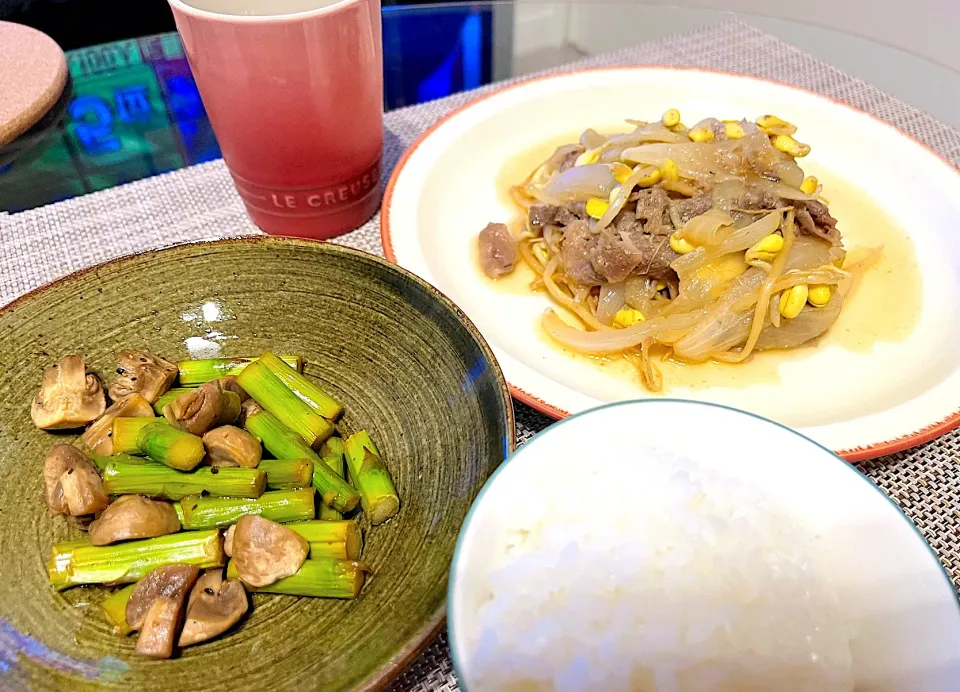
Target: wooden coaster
[(33, 72)]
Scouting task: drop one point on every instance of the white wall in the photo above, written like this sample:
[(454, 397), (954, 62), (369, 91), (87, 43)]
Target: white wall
[(927, 28), (914, 55)]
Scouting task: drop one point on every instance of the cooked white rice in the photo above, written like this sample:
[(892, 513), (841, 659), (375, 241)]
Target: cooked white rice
[(658, 577)]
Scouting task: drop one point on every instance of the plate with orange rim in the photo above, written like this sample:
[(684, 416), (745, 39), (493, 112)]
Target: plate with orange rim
[(885, 377)]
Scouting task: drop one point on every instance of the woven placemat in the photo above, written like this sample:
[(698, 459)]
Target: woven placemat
[(39, 245)]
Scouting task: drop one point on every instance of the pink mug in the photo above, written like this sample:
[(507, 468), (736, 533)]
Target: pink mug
[(294, 91)]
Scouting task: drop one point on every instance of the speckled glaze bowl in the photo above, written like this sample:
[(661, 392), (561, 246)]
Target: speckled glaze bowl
[(404, 361)]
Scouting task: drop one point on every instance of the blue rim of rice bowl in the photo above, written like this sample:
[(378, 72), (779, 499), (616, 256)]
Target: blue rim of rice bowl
[(452, 616)]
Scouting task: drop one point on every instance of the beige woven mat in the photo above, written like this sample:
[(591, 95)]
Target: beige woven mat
[(199, 202)]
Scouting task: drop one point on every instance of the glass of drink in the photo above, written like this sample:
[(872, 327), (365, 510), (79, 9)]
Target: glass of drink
[(294, 90)]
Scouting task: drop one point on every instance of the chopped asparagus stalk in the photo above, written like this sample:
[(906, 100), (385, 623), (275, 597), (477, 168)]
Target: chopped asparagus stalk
[(79, 562), (156, 480), (287, 474), (268, 391), (306, 391), (283, 443), (168, 445), (101, 461), (200, 512), (340, 539), (317, 578), (171, 396), (195, 372), (378, 497), (115, 610), (332, 455), (126, 431)]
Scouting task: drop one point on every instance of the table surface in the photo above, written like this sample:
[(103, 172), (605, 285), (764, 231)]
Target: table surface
[(135, 110)]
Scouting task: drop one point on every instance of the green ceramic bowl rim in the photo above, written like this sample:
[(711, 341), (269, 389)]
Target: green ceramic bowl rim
[(458, 549), (434, 625)]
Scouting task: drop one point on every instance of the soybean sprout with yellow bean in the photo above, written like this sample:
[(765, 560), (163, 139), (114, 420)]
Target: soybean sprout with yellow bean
[(693, 244)]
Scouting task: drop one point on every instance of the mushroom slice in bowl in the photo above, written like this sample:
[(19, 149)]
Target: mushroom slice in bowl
[(98, 438), (206, 407), (72, 484), (214, 607), (265, 551), (141, 372), (133, 516), (155, 606), (68, 397), (231, 446)]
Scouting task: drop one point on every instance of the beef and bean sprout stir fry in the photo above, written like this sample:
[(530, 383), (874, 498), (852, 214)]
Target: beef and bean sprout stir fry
[(702, 243)]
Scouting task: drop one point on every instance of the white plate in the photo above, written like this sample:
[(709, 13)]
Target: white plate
[(897, 601), (862, 404)]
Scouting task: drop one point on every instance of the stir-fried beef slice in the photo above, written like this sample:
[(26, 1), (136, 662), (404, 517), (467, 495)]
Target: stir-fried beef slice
[(614, 258), (541, 215), (651, 206), (498, 250), (575, 251), (693, 206)]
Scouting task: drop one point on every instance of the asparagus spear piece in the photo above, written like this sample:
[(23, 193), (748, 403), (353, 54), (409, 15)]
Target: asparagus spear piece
[(283, 443), (340, 539), (126, 431), (306, 391), (378, 497), (115, 610), (101, 461), (168, 445), (331, 454), (79, 562), (170, 396), (287, 474), (195, 372), (268, 391), (156, 480), (318, 578), (200, 512)]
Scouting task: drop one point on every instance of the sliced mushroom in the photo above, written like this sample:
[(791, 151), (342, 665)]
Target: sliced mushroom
[(72, 484), (160, 628), (265, 551), (155, 606), (231, 446), (201, 409), (230, 384), (214, 607), (133, 516), (141, 372), (248, 408), (68, 397), (97, 438), (228, 540)]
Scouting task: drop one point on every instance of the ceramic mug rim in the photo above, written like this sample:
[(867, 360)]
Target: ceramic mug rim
[(328, 9)]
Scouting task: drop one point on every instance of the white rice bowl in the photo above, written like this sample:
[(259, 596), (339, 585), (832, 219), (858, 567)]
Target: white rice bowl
[(615, 555)]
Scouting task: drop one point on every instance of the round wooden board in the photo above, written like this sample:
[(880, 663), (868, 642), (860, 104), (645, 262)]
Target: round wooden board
[(33, 72)]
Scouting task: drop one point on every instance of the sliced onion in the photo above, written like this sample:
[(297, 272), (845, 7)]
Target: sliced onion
[(577, 184), (710, 228), (780, 190), (614, 340), (591, 139), (727, 330), (738, 240), (610, 302), (726, 194), (809, 324)]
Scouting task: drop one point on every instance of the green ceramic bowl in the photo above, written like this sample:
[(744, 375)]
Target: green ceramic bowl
[(405, 362)]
